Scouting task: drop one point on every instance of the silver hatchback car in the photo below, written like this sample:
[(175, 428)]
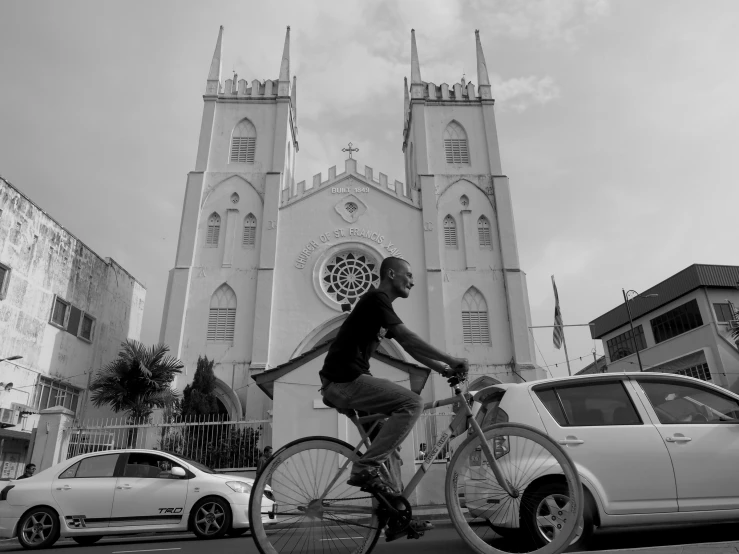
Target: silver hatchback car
[(650, 447)]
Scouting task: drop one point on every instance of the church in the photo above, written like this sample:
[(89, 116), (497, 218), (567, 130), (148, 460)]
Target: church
[(267, 268)]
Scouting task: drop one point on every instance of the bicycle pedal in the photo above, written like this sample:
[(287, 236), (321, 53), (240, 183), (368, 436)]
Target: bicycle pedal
[(395, 535)]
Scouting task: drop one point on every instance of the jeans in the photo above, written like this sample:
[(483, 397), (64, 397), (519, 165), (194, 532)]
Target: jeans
[(379, 396)]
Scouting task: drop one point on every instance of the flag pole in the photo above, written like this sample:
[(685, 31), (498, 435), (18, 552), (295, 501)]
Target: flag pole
[(567, 356)]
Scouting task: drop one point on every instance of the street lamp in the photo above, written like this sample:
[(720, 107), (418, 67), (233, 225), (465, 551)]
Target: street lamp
[(631, 321)]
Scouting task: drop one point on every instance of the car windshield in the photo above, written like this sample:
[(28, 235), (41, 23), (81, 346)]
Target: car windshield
[(198, 465)]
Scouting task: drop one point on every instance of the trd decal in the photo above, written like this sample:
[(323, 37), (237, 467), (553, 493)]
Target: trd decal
[(77, 522), (170, 510)]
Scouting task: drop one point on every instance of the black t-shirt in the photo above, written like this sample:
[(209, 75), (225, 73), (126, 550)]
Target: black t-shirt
[(370, 320)]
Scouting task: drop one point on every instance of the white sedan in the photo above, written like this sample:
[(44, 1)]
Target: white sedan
[(650, 448), (121, 492)]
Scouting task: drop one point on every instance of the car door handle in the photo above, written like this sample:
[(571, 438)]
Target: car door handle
[(123, 487), (678, 439), (571, 441), (64, 488)]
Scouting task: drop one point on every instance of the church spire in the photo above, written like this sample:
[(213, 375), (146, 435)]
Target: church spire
[(407, 103), (483, 80), (416, 82), (283, 89), (214, 75), (415, 66)]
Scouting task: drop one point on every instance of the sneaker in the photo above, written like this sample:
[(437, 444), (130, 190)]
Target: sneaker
[(371, 481)]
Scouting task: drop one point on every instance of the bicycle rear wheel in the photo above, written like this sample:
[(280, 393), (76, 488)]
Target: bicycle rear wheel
[(544, 515), (315, 509)]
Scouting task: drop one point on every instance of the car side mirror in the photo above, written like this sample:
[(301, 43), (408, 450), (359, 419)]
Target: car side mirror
[(178, 472)]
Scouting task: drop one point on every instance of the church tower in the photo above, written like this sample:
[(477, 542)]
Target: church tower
[(220, 291), (477, 297)]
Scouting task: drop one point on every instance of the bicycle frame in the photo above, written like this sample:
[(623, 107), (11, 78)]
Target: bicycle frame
[(448, 433)]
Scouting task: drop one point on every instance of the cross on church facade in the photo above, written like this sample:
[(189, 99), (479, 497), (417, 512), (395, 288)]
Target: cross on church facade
[(350, 150)]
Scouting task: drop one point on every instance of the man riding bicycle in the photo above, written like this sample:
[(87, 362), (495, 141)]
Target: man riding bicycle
[(348, 384)]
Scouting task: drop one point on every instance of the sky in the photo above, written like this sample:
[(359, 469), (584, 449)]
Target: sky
[(617, 123)]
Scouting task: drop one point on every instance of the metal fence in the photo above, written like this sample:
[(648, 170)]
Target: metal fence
[(217, 444), (427, 431)]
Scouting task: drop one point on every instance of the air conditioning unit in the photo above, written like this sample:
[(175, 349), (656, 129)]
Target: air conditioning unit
[(7, 417)]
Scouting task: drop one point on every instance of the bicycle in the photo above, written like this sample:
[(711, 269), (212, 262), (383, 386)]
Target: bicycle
[(522, 485)]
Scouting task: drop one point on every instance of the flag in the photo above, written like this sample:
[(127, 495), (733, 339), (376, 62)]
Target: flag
[(558, 337)]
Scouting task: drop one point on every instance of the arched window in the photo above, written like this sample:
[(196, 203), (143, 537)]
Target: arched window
[(475, 328), (222, 316), (250, 231), (244, 142), (455, 144), (214, 230), (450, 232), (483, 232)]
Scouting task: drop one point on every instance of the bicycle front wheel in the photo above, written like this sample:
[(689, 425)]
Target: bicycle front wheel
[(314, 509), (543, 514)]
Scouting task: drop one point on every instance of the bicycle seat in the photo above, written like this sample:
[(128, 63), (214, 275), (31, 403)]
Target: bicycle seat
[(348, 413)]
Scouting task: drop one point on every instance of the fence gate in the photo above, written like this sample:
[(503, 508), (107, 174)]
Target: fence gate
[(222, 445)]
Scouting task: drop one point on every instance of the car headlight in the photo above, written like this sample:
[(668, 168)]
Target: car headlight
[(239, 486)]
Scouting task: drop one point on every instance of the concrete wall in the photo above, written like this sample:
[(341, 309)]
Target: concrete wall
[(46, 261)]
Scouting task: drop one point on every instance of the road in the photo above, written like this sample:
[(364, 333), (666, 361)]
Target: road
[(439, 541)]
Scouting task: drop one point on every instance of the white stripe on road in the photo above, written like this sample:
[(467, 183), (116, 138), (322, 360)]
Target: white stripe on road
[(152, 550), (337, 539)]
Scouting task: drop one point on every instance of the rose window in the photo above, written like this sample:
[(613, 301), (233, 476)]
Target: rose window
[(348, 275)]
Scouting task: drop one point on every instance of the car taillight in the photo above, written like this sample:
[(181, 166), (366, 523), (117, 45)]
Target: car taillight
[(4, 492), (501, 447), (269, 496)]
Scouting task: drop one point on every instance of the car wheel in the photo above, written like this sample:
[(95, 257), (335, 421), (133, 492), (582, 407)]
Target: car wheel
[(87, 540), (543, 507), (236, 532), (211, 518), (38, 528)]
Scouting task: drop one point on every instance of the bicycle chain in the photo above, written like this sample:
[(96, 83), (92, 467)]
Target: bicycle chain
[(352, 498)]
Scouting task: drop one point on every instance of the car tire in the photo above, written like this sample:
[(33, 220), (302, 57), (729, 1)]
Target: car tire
[(534, 503), (38, 528), (210, 518), (237, 532), (87, 540)]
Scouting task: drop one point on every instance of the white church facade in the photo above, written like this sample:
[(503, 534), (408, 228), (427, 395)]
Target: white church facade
[(267, 268)]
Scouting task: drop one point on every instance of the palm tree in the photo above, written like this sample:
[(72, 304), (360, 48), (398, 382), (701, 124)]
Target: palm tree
[(137, 381)]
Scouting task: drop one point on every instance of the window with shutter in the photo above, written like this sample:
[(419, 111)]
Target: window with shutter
[(214, 230), (86, 328), (483, 232), (222, 316), (475, 327), (455, 145), (450, 232), (250, 231), (73, 324), (59, 312), (243, 143), (4, 278)]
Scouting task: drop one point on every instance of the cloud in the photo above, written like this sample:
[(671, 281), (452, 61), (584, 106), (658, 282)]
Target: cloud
[(519, 93), (546, 20)]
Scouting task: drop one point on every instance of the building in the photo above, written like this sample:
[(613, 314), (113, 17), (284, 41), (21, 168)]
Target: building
[(681, 325), (64, 312), (268, 268)]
